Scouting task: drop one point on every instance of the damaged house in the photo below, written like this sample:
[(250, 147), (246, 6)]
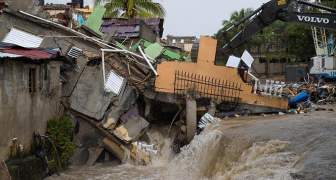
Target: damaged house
[(96, 92), (113, 92), (29, 93)]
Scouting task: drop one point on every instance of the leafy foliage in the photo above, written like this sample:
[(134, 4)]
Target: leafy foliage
[(133, 8), (329, 3), (224, 36), (295, 39), (60, 131)]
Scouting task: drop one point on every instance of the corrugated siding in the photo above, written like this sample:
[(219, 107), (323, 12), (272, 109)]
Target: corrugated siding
[(23, 39)]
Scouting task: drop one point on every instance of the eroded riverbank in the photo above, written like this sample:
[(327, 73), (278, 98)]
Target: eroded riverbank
[(271, 147)]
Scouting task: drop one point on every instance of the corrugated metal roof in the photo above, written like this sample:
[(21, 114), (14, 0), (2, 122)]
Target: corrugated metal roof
[(120, 21), (21, 38), (130, 27), (14, 51)]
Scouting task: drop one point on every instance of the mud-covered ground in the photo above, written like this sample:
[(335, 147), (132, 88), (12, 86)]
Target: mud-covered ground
[(272, 147)]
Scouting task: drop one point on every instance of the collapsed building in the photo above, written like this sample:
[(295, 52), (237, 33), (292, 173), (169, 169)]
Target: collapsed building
[(114, 91), (83, 89)]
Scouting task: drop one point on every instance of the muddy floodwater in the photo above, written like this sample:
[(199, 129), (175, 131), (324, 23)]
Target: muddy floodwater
[(272, 147)]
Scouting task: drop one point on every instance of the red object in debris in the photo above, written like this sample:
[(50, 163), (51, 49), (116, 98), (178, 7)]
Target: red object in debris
[(31, 53)]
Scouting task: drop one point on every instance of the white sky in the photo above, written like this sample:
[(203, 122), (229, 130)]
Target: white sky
[(195, 17)]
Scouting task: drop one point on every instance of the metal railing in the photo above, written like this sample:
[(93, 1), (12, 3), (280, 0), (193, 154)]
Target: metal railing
[(206, 87)]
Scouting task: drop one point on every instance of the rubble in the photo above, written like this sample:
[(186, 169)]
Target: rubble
[(115, 87), (306, 96), (132, 126)]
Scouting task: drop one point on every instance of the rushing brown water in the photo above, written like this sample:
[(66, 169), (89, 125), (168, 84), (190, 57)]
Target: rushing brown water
[(280, 148)]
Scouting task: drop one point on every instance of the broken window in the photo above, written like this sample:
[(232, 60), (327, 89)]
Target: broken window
[(32, 80), (174, 41)]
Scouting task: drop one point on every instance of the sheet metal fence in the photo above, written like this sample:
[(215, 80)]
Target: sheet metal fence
[(206, 87)]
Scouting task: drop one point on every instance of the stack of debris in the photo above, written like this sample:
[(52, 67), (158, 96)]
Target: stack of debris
[(303, 95), (109, 88)]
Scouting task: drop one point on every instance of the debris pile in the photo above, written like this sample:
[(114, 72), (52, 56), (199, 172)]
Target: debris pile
[(115, 90), (303, 96)]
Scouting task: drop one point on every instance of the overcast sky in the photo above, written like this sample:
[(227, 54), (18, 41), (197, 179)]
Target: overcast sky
[(196, 17)]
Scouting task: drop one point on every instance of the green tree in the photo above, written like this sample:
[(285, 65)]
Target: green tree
[(330, 3), (299, 40), (237, 16), (132, 8), (295, 39), (60, 131), (224, 36)]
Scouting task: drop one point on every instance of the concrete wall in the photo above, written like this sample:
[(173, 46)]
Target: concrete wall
[(206, 67), (89, 97), (21, 111), (53, 38), (268, 69), (24, 5)]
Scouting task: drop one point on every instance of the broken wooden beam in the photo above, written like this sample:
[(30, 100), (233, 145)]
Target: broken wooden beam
[(120, 151)]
